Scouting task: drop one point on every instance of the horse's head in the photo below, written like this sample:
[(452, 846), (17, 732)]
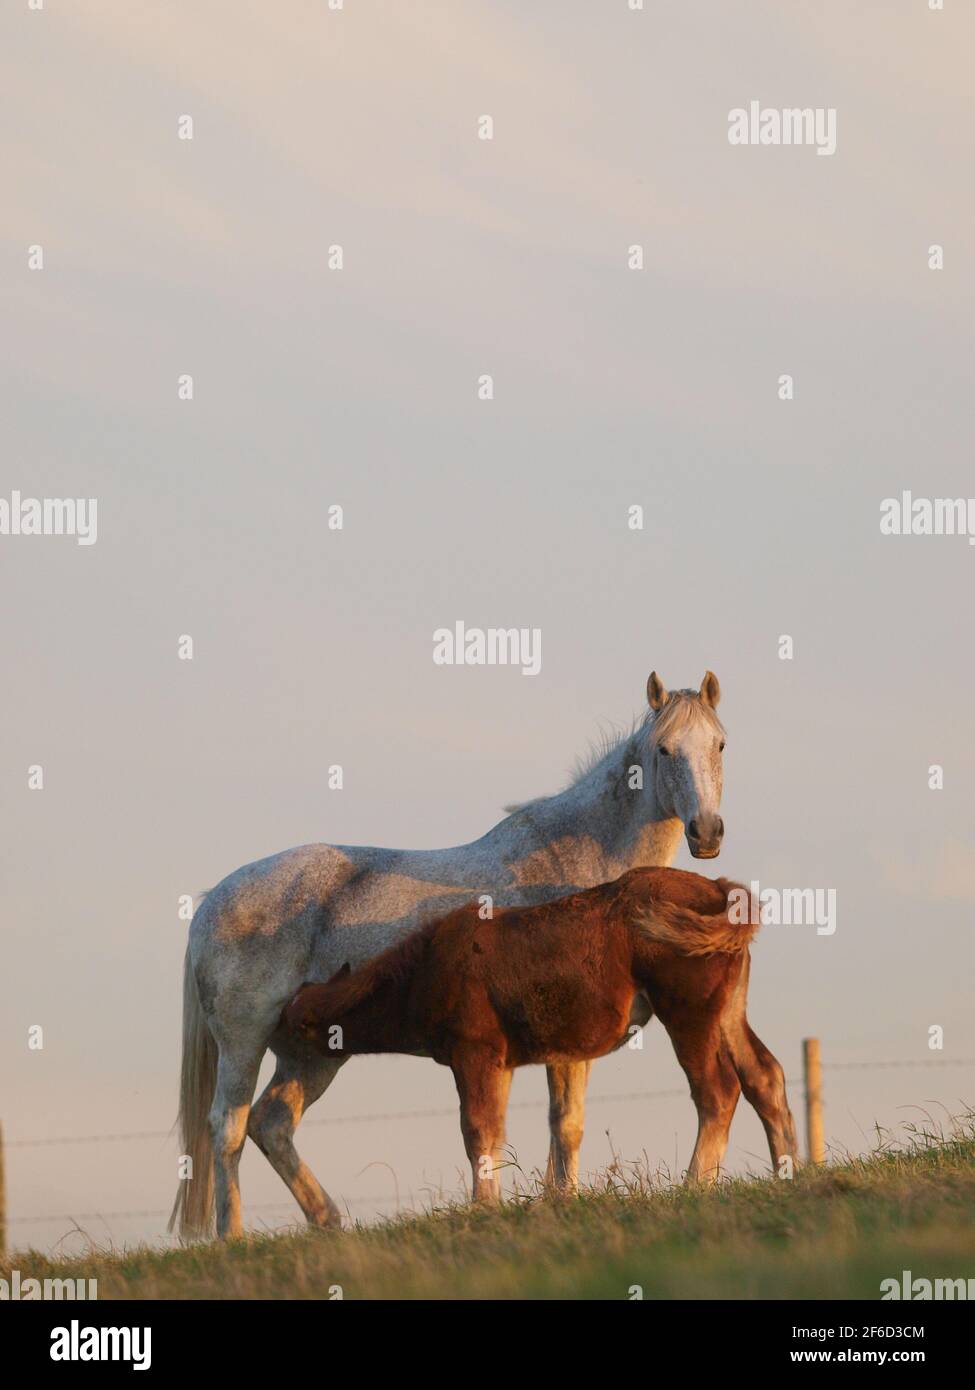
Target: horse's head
[(685, 746)]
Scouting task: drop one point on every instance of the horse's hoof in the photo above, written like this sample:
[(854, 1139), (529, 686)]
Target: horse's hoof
[(328, 1219)]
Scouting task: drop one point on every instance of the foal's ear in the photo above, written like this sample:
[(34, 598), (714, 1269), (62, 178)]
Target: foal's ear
[(342, 971), (656, 695), (710, 689)]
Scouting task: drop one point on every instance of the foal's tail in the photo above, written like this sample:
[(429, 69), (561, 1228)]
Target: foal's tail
[(193, 1208), (730, 929)]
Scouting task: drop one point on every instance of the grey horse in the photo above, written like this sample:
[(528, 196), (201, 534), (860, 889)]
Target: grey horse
[(302, 914)]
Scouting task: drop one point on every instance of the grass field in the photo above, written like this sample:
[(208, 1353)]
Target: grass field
[(832, 1232)]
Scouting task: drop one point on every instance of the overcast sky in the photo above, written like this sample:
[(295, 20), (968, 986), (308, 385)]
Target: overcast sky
[(613, 387)]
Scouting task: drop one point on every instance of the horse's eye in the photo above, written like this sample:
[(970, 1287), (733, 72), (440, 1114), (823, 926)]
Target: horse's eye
[(721, 746), (664, 752)]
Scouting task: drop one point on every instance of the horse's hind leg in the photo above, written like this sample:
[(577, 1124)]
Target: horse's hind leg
[(715, 1090), (708, 1066), (762, 1078), (237, 1072), (483, 1083), (296, 1084), (763, 1082)]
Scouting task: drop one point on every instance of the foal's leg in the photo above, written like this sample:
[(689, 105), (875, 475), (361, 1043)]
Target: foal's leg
[(566, 1113), (708, 1066), (483, 1083), (296, 1084), (763, 1082), (502, 1136), (762, 1078)]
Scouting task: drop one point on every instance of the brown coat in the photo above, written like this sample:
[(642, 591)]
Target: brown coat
[(560, 982)]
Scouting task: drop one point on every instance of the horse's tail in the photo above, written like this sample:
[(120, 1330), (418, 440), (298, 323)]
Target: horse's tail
[(193, 1208), (693, 933)]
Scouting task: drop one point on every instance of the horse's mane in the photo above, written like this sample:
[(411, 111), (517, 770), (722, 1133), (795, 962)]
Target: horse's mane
[(681, 708)]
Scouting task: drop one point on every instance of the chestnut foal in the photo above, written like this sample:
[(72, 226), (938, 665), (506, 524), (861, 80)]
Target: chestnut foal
[(560, 982)]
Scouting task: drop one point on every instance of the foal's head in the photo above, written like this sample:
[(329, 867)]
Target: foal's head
[(307, 1016), (684, 752)]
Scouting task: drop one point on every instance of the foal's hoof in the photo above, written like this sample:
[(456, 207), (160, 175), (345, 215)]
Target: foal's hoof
[(561, 1191), (328, 1219)]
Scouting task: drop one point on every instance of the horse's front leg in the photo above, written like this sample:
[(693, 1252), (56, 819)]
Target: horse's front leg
[(566, 1113), (483, 1083)]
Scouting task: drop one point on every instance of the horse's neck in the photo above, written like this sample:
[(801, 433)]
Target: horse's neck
[(655, 843), (596, 829)]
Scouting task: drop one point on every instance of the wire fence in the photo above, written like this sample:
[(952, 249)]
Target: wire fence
[(451, 1111), (375, 1117)]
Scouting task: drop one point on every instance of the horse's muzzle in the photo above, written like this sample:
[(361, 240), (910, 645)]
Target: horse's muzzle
[(704, 837)]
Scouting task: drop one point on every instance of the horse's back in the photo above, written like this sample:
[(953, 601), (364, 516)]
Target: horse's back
[(254, 935), (261, 900), (301, 914), (681, 887)]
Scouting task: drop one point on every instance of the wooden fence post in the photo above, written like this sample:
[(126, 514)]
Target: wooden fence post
[(813, 1077)]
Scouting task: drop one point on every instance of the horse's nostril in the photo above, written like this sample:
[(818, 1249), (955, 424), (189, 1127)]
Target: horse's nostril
[(697, 832)]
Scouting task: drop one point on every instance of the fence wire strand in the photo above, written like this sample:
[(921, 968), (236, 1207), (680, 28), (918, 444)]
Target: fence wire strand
[(446, 1112)]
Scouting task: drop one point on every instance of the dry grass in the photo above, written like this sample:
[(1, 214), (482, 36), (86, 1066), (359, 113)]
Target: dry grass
[(833, 1232)]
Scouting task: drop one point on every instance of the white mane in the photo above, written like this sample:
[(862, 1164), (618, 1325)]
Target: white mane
[(683, 707)]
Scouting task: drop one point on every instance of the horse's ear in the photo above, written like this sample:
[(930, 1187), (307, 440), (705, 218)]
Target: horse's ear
[(342, 971), (656, 695), (710, 689)]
